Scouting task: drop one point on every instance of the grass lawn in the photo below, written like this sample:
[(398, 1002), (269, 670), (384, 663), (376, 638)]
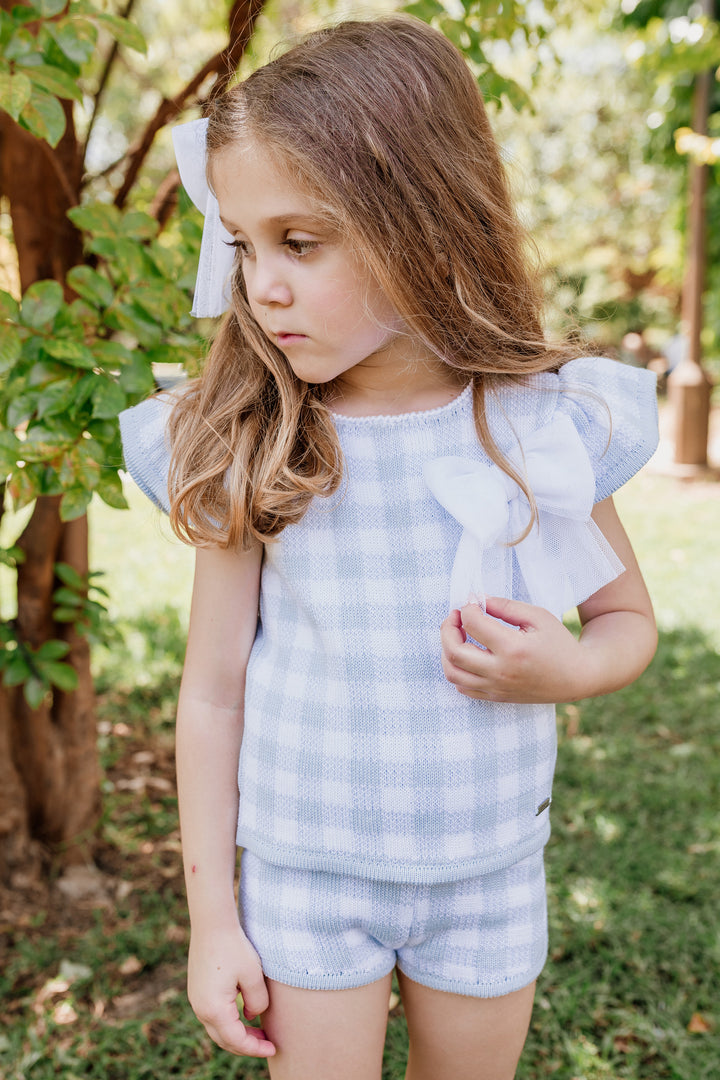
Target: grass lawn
[(94, 986)]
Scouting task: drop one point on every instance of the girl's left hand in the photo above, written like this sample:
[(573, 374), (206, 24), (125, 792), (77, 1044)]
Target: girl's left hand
[(540, 662)]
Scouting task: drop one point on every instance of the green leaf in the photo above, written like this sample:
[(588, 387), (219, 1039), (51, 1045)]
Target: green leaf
[(63, 676), (15, 93), (124, 31), (44, 441), (110, 491), (7, 27), (22, 44), (127, 257), (74, 504), (169, 354), (23, 488), (48, 8), (17, 670), (53, 650), (99, 219), (21, 408), (40, 304), (169, 261), (57, 397), (9, 307), (64, 614), (139, 226), (34, 692), (71, 351), (91, 285), (44, 116), (10, 451), (137, 377), (12, 557), (161, 301), (55, 80), (84, 313), (76, 38), (112, 354), (103, 430), (425, 9), (70, 576), (84, 390), (68, 598), (108, 400), (136, 322), (10, 347)]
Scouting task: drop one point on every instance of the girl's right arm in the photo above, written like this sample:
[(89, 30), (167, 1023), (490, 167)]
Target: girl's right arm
[(222, 962)]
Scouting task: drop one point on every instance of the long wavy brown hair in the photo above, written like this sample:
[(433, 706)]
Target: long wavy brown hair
[(383, 123)]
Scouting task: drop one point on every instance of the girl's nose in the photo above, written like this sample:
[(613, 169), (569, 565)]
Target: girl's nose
[(266, 284)]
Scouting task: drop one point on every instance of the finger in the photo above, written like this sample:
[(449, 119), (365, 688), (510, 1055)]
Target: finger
[(488, 631), (238, 1039), (254, 995), (453, 625), (458, 654), (464, 663), (515, 612)]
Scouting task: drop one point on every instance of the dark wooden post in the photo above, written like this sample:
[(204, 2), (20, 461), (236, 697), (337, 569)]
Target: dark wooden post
[(689, 385)]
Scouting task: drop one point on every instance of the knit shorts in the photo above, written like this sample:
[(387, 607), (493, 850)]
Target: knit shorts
[(482, 937)]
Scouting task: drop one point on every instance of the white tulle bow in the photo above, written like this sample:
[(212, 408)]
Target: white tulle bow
[(212, 295), (494, 511)]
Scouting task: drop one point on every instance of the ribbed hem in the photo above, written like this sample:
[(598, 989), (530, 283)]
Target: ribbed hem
[(385, 870), (490, 989), (304, 980)]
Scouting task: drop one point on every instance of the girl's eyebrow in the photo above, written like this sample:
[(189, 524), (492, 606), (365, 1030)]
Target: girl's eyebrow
[(280, 220)]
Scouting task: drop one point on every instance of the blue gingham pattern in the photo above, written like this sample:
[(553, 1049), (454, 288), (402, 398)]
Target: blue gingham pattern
[(483, 936), (358, 756)]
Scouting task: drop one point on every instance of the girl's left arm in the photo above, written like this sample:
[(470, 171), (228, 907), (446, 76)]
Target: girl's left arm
[(545, 662)]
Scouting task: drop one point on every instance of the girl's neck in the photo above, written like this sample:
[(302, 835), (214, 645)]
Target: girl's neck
[(416, 386)]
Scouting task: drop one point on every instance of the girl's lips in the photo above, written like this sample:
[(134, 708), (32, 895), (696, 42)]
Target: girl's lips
[(290, 339)]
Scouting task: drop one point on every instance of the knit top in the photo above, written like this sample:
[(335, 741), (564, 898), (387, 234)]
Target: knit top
[(357, 754)]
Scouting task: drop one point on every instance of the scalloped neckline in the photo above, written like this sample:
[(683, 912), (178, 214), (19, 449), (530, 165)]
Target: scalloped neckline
[(420, 414)]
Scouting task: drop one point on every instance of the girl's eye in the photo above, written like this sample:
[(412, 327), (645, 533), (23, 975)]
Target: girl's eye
[(300, 248), (240, 245)]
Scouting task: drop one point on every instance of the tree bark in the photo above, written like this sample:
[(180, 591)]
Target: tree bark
[(54, 746), (49, 784)]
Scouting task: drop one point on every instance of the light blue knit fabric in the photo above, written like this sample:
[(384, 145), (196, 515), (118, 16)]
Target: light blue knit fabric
[(483, 936), (358, 756)]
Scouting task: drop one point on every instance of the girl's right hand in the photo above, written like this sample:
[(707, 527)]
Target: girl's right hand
[(221, 964)]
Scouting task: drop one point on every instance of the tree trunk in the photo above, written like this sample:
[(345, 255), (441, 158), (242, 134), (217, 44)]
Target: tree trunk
[(49, 778), (54, 746)]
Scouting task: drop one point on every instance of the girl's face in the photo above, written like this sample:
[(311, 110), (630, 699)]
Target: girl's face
[(307, 290)]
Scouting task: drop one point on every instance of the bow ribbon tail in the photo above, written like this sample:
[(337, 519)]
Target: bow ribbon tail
[(212, 292), (542, 580), (466, 579)]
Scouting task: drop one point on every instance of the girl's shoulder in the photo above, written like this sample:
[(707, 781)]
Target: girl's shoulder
[(146, 449), (612, 407)]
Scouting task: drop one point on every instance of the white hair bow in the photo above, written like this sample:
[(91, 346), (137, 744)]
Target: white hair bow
[(563, 546), (212, 293)]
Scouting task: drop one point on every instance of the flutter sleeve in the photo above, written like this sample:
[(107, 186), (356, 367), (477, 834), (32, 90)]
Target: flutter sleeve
[(613, 408), (596, 425), (145, 446)]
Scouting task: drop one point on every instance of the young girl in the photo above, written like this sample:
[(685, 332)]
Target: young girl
[(395, 486)]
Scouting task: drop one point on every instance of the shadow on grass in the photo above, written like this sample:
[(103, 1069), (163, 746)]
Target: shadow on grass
[(633, 879)]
